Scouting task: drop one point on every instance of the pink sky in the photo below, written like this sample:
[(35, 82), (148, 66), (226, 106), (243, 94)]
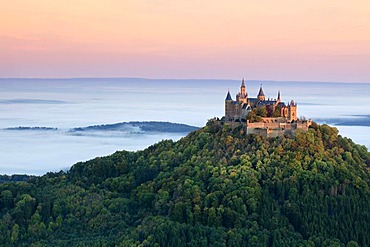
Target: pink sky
[(269, 39)]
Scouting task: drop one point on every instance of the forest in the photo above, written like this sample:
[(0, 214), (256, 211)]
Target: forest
[(215, 187)]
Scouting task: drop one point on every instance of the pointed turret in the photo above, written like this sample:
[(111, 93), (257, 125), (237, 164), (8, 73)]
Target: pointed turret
[(228, 96), (229, 109), (261, 94), (243, 92), (278, 98)]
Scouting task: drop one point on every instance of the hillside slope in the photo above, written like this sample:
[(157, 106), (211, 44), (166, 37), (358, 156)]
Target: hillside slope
[(215, 187)]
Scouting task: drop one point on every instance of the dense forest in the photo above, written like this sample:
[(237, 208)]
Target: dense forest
[(215, 187), (14, 178)]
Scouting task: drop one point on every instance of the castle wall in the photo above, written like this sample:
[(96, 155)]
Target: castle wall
[(262, 125), (274, 129), (303, 124), (271, 129)]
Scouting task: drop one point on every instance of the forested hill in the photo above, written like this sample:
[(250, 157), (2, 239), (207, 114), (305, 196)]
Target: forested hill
[(150, 126), (214, 187)]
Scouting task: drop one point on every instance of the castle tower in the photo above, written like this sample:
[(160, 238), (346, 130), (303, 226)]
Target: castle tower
[(242, 89), (229, 112), (278, 98), (292, 111), (261, 94), (242, 97)]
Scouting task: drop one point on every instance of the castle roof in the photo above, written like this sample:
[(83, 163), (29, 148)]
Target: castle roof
[(243, 85), (253, 100), (267, 102), (261, 93), (228, 96), (246, 106)]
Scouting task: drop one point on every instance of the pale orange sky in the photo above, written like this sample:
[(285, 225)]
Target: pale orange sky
[(265, 39)]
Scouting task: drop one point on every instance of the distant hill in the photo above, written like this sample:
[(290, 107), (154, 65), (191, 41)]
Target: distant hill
[(31, 128), (132, 127), (356, 120), (141, 126), (215, 187)]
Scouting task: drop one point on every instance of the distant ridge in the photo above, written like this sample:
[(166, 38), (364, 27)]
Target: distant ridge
[(150, 126), (31, 128), (133, 126), (355, 120)]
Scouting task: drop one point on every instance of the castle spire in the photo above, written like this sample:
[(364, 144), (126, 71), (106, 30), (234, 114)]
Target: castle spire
[(228, 96), (278, 98), (243, 92), (261, 94)]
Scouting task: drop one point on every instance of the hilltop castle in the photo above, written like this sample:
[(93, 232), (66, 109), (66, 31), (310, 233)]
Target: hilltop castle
[(273, 117)]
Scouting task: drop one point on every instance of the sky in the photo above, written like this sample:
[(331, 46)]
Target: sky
[(291, 40)]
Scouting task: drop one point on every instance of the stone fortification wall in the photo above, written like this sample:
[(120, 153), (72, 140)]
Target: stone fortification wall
[(262, 125), (303, 124), (273, 127)]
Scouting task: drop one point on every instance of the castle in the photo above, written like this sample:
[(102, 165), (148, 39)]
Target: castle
[(269, 117)]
